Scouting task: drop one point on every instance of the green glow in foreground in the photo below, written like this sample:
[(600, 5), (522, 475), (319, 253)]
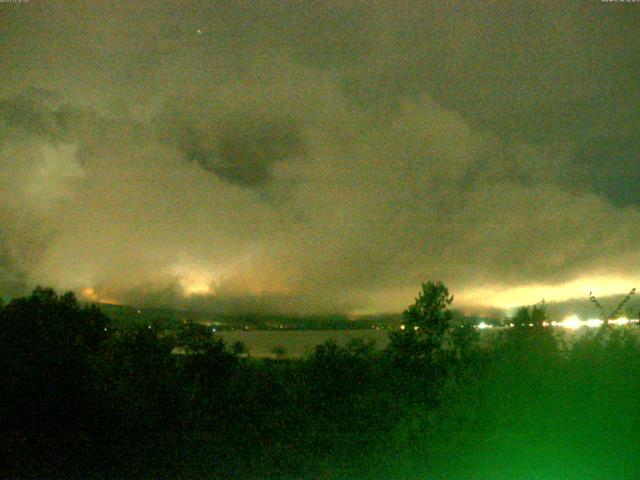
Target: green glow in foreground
[(534, 415)]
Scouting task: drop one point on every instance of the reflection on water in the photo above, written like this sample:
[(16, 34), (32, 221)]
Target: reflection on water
[(296, 343)]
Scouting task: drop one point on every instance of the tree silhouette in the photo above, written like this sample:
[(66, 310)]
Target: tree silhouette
[(528, 342), (48, 346), (522, 317), (539, 314), (615, 312), (425, 324)]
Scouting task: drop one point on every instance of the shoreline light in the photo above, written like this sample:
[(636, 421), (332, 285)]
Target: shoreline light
[(572, 322), (620, 321), (593, 323)]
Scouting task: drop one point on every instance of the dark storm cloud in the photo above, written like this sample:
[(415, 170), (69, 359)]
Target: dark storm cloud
[(245, 149), (489, 144), (28, 113)]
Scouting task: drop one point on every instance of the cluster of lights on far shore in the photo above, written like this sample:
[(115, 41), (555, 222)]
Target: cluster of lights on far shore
[(572, 322)]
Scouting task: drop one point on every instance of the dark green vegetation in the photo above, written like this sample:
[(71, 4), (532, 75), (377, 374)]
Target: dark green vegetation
[(83, 398)]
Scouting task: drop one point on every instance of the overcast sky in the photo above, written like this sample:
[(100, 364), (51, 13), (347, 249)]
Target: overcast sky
[(320, 155)]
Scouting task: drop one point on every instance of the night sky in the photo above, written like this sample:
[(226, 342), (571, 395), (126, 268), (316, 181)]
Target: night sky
[(314, 156)]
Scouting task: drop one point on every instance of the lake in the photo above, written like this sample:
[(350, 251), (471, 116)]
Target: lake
[(296, 343)]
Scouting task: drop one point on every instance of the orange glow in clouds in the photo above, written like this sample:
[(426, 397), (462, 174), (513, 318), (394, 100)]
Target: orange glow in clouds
[(235, 278), (196, 285), (90, 294), (196, 281)]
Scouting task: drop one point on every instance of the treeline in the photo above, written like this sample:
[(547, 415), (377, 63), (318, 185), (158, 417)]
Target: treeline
[(85, 398), (169, 318)]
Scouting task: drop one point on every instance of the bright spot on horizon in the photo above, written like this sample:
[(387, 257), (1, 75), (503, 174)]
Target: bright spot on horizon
[(91, 295), (196, 281), (196, 284), (572, 322), (593, 322), (195, 288), (619, 321)]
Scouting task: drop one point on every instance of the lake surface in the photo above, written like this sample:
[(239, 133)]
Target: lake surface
[(296, 343)]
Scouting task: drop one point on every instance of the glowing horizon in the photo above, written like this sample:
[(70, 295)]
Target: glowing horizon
[(509, 298), (474, 300)]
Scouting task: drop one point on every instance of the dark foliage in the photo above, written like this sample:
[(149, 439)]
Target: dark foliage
[(85, 399)]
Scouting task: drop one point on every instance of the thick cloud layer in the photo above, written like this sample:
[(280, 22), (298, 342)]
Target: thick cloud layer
[(331, 156)]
